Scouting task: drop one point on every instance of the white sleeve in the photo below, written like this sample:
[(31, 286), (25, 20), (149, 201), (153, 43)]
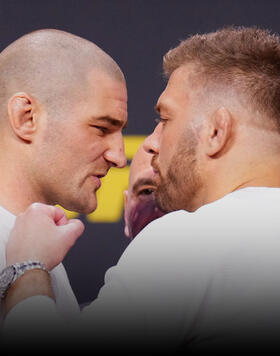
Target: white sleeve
[(153, 294), (30, 322), (150, 298), (31, 310)]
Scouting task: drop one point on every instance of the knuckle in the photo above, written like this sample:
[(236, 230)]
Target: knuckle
[(34, 206)]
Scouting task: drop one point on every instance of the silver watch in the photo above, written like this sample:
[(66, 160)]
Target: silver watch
[(11, 273)]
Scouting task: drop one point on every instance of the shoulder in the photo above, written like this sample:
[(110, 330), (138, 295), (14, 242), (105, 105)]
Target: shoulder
[(181, 226), (232, 223)]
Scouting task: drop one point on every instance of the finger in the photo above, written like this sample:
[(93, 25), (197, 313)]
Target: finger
[(73, 230), (58, 215), (54, 212), (61, 218)]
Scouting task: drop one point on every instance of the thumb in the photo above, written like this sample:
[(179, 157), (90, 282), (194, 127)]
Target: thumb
[(72, 230)]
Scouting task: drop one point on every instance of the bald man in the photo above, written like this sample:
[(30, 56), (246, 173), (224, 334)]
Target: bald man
[(63, 105), (140, 207)]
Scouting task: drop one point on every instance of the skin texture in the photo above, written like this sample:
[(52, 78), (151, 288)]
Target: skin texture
[(140, 206), (83, 148), (63, 107)]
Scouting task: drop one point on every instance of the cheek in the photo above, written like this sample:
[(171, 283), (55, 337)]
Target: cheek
[(95, 148), (141, 214), (164, 159), (167, 143)]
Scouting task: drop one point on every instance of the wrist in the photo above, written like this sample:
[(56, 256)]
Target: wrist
[(12, 272), (31, 283)]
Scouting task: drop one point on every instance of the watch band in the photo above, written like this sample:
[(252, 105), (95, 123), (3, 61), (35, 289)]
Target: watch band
[(22, 267), (11, 273)]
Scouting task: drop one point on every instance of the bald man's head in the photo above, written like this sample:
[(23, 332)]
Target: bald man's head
[(51, 66), (63, 105)]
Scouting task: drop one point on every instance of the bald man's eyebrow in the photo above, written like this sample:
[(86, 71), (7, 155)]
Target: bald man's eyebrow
[(112, 121), (141, 182)]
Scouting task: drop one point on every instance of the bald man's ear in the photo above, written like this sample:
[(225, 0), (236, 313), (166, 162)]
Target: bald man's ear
[(218, 131), (21, 116)]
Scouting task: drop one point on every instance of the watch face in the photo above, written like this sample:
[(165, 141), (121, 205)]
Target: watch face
[(6, 277)]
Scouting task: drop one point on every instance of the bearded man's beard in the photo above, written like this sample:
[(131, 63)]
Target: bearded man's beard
[(179, 187)]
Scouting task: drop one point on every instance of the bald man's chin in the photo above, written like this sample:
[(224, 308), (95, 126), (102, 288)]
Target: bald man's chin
[(83, 207), (89, 209)]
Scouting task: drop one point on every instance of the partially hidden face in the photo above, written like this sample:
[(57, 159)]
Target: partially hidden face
[(80, 143), (140, 203), (141, 209)]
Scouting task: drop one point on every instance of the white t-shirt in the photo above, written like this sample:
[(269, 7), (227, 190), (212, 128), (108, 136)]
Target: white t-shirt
[(204, 280), (66, 301)]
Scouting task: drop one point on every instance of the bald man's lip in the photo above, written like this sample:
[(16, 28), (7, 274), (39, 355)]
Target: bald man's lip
[(96, 178), (100, 175), (97, 181)]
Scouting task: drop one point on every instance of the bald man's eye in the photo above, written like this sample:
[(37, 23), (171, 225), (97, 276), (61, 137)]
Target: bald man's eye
[(101, 129), (147, 191)]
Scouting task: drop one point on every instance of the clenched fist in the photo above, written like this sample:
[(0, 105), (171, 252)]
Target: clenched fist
[(42, 233)]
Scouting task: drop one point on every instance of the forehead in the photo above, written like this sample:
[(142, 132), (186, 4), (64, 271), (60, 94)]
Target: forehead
[(181, 86), (107, 94), (140, 173), (143, 178), (140, 167)]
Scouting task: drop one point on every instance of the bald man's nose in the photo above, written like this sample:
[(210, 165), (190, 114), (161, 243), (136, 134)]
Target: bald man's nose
[(115, 154)]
